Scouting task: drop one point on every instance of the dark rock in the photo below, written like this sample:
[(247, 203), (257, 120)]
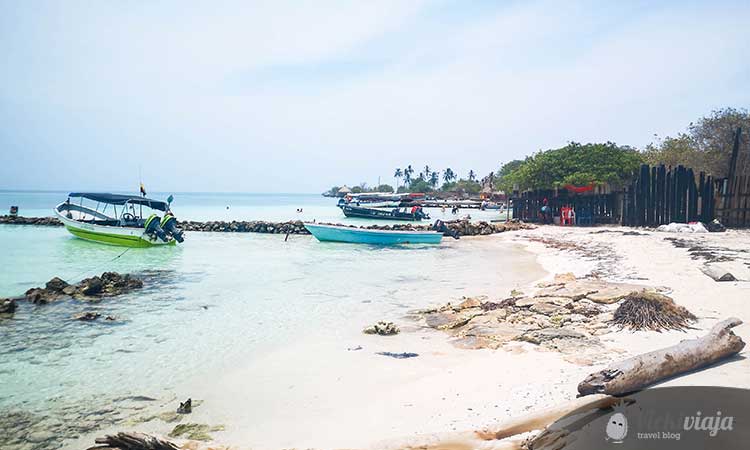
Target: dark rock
[(86, 316), (91, 286), (7, 306), (56, 285), (186, 407)]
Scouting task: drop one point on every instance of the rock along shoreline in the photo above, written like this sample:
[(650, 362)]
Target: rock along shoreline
[(463, 227)]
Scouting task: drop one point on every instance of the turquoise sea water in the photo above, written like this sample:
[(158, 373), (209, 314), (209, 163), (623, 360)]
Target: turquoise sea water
[(225, 206), (208, 305)]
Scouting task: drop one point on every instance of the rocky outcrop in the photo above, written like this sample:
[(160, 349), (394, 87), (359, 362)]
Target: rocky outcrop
[(461, 227), (41, 221), (565, 315), (109, 284), (253, 226)]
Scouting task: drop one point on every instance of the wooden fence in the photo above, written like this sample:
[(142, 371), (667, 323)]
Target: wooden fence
[(602, 205), (734, 192), (660, 195)]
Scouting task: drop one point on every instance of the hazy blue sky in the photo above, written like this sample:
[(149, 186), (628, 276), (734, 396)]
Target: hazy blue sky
[(297, 96)]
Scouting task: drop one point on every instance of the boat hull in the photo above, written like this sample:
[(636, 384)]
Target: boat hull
[(333, 233), (379, 214), (110, 235)]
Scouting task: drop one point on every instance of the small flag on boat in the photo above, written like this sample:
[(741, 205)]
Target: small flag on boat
[(143, 190), (170, 199)]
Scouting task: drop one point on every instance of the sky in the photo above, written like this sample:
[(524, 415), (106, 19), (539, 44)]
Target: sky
[(290, 97)]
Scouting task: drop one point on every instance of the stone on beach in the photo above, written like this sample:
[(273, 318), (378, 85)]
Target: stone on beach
[(566, 316), (382, 329)]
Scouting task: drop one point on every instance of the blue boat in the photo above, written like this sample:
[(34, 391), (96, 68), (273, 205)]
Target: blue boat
[(337, 233)]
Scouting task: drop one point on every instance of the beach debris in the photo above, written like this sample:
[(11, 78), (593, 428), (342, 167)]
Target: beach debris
[(382, 329), (716, 273), (132, 441), (185, 407), (86, 316), (643, 370), (109, 284), (7, 305), (674, 227), (651, 311), (354, 349), (403, 355), (194, 431), (715, 226)]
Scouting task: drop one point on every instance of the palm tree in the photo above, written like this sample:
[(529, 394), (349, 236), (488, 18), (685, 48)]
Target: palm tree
[(434, 179), (449, 175), (407, 174), (472, 175), (427, 171), (397, 175)]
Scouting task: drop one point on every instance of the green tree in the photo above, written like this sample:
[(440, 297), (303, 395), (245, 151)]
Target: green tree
[(574, 164), (407, 174), (434, 179), (384, 188), (449, 175), (397, 175), (427, 172), (707, 144), (420, 185), (472, 175)]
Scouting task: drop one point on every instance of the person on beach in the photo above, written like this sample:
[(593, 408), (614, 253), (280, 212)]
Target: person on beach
[(545, 212)]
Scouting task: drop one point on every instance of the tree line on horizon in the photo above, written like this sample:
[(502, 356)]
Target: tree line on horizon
[(705, 146)]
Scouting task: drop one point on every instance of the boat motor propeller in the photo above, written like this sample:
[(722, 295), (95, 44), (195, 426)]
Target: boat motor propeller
[(169, 225), (154, 229)]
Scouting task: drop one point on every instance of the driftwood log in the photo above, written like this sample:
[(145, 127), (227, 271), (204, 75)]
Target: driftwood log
[(496, 437), (643, 370), (132, 441)]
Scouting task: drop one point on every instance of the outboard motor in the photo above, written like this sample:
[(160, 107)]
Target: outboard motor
[(440, 226), (153, 228), (169, 225)]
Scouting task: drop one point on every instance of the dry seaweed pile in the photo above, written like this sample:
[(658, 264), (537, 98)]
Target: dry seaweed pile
[(651, 311)]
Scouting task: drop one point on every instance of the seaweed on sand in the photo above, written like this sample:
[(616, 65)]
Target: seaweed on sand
[(651, 311)]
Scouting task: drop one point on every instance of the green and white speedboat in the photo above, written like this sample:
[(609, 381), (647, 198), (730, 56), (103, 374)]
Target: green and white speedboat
[(118, 219)]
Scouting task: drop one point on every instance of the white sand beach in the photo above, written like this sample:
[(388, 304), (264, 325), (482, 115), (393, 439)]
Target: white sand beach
[(338, 393)]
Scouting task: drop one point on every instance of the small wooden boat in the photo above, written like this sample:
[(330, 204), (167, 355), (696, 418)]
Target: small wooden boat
[(383, 214), (128, 227), (337, 233)]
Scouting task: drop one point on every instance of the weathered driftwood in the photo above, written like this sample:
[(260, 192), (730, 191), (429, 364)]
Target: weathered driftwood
[(132, 441), (643, 370), (496, 437), (716, 273)]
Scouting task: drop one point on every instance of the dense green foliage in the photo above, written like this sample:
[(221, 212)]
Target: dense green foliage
[(707, 144), (575, 164)]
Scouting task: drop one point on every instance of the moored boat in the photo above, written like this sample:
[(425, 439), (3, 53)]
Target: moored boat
[(414, 213), (337, 233), (127, 227)]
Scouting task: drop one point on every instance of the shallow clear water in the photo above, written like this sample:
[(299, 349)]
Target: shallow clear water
[(213, 303)]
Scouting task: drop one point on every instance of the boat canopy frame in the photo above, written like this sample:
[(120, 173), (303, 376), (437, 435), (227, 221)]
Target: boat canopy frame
[(122, 199)]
